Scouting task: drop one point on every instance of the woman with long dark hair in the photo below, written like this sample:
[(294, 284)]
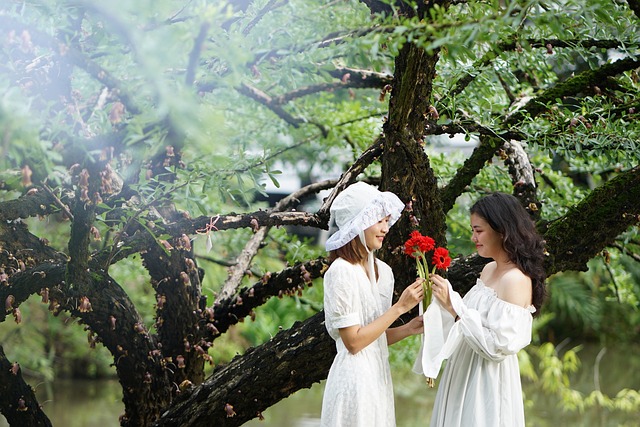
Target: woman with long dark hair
[(481, 334)]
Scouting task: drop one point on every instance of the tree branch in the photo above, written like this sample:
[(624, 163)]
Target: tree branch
[(270, 6), (370, 155), (571, 86), (510, 46), (241, 266), (18, 403), (349, 78), (287, 282), (467, 126), (288, 357), (469, 170), (267, 101), (336, 38), (522, 177), (194, 56), (594, 223), (29, 205), (238, 271)]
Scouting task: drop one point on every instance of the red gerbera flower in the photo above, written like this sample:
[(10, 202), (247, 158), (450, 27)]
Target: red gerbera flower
[(441, 259), (417, 246)]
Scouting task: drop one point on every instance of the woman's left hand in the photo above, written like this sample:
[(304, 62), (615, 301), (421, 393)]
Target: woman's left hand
[(415, 326)]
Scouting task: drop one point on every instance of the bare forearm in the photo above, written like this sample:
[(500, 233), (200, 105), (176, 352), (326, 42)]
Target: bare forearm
[(398, 334), (355, 338), (413, 327)]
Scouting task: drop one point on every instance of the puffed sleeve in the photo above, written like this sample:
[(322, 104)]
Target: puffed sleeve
[(507, 330), (341, 302), (438, 340)]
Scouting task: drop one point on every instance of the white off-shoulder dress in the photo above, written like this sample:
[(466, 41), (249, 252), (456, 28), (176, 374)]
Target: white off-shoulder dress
[(480, 384), (358, 391)]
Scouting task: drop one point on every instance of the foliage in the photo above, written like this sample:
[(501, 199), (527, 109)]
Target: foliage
[(179, 115), (554, 381)]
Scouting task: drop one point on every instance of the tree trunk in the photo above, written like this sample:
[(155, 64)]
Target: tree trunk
[(405, 166)]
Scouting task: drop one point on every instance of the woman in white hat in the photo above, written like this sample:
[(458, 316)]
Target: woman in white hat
[(358, 312)]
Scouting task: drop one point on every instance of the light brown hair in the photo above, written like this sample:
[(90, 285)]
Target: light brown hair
[(354, 252)]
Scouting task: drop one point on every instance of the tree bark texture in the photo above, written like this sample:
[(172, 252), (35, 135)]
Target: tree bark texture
[(161, 373), (239, 391), (592, 225), (18, 404)]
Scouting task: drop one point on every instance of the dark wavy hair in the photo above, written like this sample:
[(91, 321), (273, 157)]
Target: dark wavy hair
[(520, 239)]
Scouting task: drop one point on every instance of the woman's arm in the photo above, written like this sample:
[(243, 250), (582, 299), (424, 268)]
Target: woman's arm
[(414, 327), (505, 330), (357, 337)]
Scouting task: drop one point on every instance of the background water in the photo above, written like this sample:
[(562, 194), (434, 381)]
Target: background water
[(98, 403)]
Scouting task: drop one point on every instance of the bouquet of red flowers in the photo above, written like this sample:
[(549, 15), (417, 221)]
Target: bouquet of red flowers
[(418, 246)]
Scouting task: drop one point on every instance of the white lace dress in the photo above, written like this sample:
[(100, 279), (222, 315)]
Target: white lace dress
[(358, 391), (480, 384)]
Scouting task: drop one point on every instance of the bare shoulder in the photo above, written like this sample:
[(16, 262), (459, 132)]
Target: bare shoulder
[(487, 271), (515, 288)]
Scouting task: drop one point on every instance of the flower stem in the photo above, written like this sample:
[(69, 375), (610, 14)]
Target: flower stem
[(423, 272)]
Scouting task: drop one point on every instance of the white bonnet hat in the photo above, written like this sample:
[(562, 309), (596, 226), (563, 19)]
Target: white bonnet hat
[(357, 208)]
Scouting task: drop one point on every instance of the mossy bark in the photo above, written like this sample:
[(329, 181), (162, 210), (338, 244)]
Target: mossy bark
[(589, 227)]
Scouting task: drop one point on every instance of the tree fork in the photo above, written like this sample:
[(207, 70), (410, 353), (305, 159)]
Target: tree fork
[(405, 167)]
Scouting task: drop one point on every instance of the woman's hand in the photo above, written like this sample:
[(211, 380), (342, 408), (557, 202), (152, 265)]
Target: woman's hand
[(440, 289), (415, 326), (411, 296), (357, 337)]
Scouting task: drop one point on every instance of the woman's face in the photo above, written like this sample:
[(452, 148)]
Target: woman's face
[(488, 241), (375, 234)]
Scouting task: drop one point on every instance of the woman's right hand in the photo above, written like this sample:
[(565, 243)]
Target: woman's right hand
[(440, 287), (357, 337), (411, 296)]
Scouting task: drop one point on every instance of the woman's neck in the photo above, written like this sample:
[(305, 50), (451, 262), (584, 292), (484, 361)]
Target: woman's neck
[(504, 264)]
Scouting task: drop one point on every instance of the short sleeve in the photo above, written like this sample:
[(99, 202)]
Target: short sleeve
[(341, 303)]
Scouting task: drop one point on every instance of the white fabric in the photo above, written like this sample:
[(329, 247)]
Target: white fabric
[(431, 354), (357, 208), (358, 391), (480, 384), (371, 271)]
